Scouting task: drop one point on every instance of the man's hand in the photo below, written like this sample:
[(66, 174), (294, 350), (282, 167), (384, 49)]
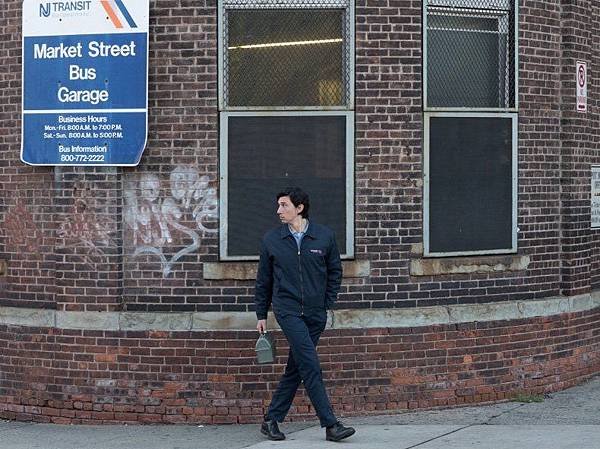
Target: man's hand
[(261, 326)]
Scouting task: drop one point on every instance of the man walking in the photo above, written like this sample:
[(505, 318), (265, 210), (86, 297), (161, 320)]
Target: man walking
[(299, 273)]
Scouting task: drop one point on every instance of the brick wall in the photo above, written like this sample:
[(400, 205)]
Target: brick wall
[(27, 228), (72, 376), (70, 235), (72, 238), (594, 103), (579, 139), (539, 139), (183, 138)]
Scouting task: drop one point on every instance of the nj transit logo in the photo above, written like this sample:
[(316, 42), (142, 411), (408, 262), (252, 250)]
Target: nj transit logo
[(45, 9), (115, 10), (63, 7)]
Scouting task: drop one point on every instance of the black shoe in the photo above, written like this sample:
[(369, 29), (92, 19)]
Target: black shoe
[(271, 430), (338, 432)]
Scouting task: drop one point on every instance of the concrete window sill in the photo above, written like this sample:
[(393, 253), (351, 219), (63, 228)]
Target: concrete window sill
[(461, 265), (247, 270)]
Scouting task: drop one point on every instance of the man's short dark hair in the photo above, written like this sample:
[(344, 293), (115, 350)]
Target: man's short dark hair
[(298, 197)]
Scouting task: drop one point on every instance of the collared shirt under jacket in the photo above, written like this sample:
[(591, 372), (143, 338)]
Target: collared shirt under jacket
[(301, 281)]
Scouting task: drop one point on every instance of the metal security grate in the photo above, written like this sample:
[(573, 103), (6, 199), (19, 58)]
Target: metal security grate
[(286, 55), (503, 5), (470, 54)]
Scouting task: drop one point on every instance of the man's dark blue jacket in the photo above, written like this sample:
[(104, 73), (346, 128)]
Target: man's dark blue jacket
[(299, 282)]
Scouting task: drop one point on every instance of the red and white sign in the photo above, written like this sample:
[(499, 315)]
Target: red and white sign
[(581, 86)]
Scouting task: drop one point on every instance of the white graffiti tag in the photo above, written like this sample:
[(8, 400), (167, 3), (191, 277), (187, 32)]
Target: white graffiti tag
[(153, 218)]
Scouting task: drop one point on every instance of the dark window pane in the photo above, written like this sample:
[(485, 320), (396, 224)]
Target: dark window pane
[(285, 58), (266, 154), (470, 187)]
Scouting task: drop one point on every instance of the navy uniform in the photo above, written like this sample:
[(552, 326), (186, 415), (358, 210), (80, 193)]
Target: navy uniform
[(300, 276)]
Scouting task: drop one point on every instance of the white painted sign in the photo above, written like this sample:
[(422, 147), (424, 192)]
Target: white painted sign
[(595, 196), (581, 86)]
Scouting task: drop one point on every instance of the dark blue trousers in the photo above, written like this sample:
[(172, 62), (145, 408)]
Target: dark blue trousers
[(302, 333)]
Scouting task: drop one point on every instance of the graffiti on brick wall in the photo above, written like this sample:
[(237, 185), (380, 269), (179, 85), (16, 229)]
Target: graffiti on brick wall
[(84, 230), (155, 219), (20, 228)]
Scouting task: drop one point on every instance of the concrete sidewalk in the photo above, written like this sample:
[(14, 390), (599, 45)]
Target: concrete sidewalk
[(565, 420)]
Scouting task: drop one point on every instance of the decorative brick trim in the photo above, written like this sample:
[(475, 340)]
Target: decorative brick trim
[(247, 270), (455, 265), (344, 319)]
